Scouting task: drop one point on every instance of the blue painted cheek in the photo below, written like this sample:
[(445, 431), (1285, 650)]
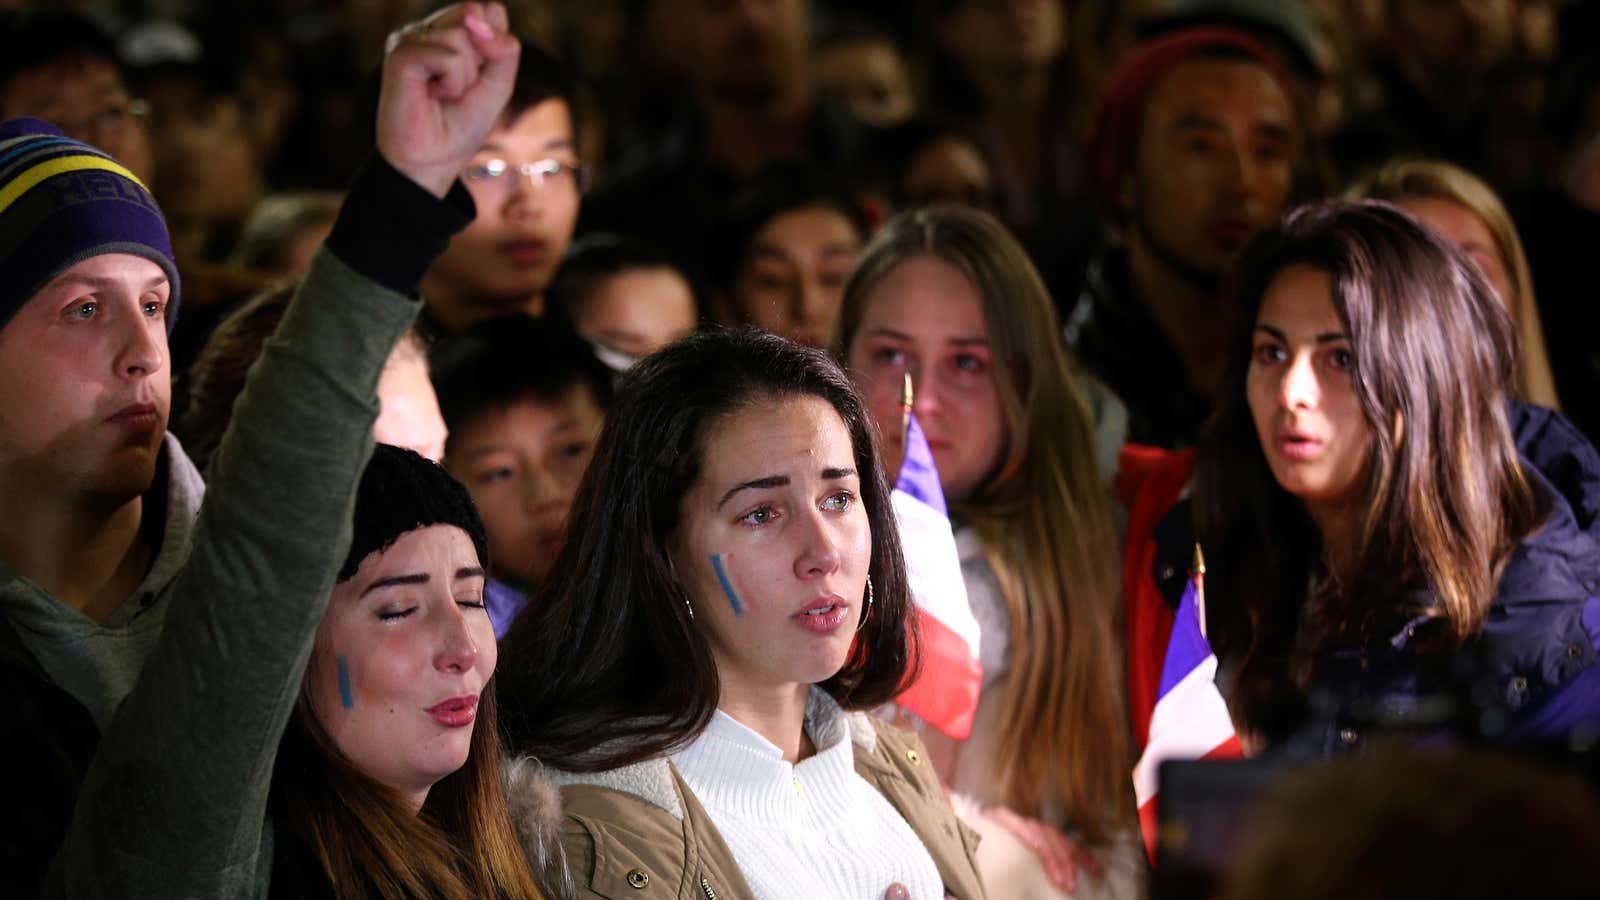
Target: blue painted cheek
[(727, 586), (345, 696)]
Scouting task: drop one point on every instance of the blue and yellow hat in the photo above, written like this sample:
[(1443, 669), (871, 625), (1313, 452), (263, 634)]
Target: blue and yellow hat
[(62, 202)]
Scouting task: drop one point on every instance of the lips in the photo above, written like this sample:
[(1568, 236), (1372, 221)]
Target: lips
[(1231, 232), (456, 712), (1298, 446), (138, 416), (525, 253), (824, 615)]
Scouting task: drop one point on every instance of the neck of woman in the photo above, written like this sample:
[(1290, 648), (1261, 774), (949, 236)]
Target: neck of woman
[(776, 712)]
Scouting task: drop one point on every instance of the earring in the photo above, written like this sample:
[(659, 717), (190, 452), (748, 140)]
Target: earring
[(689, 608), (868, 611)]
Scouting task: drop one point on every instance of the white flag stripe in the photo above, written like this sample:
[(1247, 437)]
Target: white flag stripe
[(934, 566), (1189, 722)]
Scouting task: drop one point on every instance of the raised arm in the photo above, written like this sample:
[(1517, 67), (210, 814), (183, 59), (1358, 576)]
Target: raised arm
[(174, 803)]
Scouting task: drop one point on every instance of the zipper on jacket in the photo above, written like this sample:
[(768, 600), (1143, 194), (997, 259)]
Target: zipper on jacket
[(706, 886)]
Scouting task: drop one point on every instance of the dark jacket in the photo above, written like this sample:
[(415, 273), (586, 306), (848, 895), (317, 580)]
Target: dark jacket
[(1113, 335), (1528, 677)]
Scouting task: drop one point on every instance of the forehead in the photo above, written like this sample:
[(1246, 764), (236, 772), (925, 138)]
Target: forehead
[(776, 435), (1300, 299), (59, 80), (420, 549), (535, 128), (817, 223), (529, 417), (1220, 88), (1450, 218), (926, 296)]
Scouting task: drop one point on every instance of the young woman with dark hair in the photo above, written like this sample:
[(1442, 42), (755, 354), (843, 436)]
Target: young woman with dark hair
[(731, 595), (388, 776), (1379, 550)]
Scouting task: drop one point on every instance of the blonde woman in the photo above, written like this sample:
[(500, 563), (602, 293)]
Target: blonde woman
[(1463, 209), (947, 295)]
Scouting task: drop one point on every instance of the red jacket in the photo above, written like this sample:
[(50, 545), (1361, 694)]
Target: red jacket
[(1150, 483)]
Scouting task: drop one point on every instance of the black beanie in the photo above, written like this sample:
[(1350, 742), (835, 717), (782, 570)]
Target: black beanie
[(400, 492)]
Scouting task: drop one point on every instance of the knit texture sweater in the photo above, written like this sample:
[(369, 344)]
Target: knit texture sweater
[(808, 830)]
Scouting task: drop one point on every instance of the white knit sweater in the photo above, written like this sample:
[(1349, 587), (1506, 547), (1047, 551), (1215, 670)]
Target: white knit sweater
[(807, 831)]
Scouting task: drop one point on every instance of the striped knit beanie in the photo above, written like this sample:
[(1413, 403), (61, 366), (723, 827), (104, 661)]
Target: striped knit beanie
[(62, 202)]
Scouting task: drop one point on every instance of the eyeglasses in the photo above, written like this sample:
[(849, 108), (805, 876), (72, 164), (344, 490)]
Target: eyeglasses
[(106, 122), (544, 173)]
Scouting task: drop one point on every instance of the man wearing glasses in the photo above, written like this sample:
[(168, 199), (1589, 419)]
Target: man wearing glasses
[(58, 66), (526, 181)]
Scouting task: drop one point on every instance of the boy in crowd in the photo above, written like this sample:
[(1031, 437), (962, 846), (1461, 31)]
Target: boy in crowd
[(122, 595), (625, 298), (524, 400), (526, 181)]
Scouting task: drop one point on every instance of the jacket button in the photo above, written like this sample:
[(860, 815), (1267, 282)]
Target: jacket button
[(915, 757), (1348, 736), (637, 879), (1519, 685), (1574, 651)]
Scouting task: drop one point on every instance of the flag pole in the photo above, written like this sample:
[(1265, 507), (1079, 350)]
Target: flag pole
[(1200, 587), (907, 394)]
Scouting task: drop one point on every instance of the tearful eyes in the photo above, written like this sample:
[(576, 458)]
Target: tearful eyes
[(837, 502)]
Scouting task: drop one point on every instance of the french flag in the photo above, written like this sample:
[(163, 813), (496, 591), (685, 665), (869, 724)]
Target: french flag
[(1191, 719), (945, 693)]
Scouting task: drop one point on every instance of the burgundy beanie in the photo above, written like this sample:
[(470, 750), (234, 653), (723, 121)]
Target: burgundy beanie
[(62, 202), (1114, 136)]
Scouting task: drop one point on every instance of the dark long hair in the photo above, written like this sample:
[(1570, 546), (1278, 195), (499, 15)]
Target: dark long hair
[(605, 668), (1444, 500)]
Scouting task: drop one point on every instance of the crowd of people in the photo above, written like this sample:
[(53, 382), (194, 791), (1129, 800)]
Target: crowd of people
[(543, 372)]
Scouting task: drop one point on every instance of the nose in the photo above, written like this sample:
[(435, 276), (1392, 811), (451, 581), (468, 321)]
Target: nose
[(456, 652), (144, 347), (926, 401), (541, 489), (525, 193), (819, 550), (1300, 389)]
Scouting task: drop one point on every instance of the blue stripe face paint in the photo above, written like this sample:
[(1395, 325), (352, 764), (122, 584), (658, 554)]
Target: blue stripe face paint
[(344, 685), (727, 586)]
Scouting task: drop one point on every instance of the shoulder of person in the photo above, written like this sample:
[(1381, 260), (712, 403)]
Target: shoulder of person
[(634, 832)]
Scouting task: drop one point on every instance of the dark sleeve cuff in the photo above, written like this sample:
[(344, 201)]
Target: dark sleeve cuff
[(390, 229)]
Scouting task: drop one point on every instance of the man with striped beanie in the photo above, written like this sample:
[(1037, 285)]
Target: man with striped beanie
[(150, 645)]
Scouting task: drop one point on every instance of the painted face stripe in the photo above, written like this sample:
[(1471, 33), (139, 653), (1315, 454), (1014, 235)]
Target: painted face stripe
[(61, 165), (727, 586), (345, 696)]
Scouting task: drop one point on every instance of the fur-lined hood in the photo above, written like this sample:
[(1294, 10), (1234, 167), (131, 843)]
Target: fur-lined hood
[(534, 801)]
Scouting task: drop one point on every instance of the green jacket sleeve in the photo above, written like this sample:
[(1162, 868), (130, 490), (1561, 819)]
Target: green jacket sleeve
[(174, 804)]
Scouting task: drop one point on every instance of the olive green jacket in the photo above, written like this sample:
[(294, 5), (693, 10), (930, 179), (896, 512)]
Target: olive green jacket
[(639, 833)]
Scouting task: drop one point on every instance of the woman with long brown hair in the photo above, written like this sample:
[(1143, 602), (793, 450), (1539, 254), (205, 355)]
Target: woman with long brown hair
[(695, 671), (1379, 550), (388, 777), (946, 295)]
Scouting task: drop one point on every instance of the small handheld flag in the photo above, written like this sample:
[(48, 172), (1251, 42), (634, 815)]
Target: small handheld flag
[(945, 693), (1191, 720)]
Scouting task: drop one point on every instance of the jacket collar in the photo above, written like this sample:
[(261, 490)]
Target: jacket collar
[(653, 780)]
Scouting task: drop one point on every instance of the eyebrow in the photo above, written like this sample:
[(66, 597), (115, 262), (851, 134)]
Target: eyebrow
[(101, 282), (1323, 338), (902, 336), (419, 578), (772, 481), (556, 144)]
